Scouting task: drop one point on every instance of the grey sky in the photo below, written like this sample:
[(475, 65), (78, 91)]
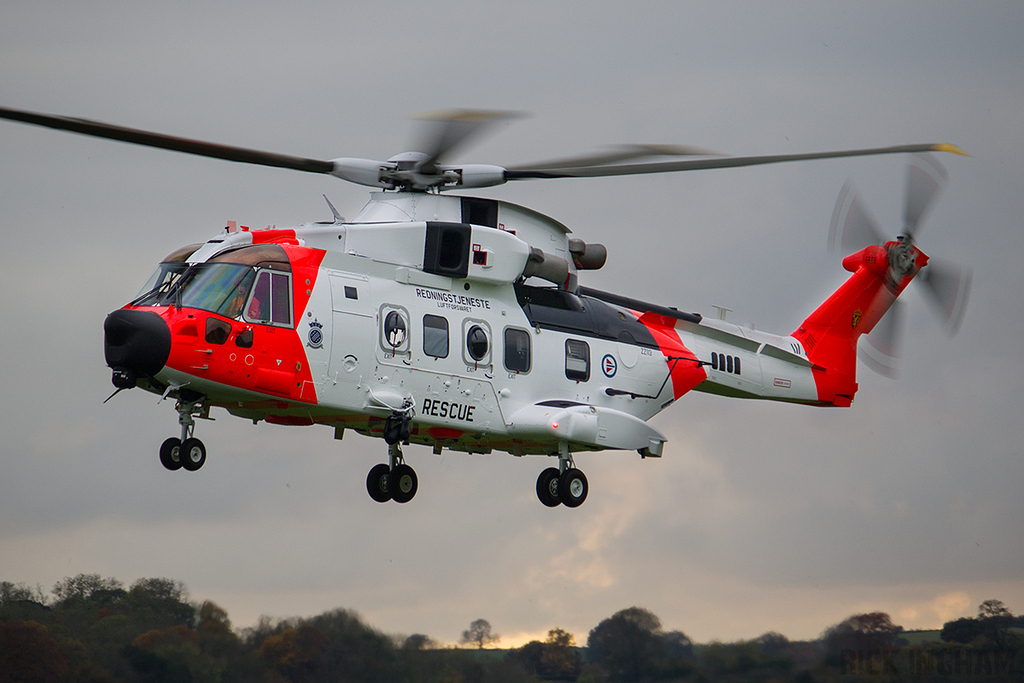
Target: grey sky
[(759, 517)]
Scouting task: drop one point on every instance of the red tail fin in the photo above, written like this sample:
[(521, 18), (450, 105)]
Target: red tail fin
[(829, 334)]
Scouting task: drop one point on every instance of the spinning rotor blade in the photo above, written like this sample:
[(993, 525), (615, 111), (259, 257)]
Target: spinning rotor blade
[(446, 131), (881, 350), (925, 179), (852, 227), (529, 172), (617, 154), (948, 287), (142, 137)]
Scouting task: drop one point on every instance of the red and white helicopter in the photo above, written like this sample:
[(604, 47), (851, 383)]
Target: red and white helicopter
[(459, 322)]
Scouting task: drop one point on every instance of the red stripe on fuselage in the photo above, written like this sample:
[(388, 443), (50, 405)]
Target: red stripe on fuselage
[(686, 373)]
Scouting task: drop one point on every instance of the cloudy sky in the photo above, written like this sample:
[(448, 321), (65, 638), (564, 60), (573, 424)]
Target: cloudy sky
[(759, 517)]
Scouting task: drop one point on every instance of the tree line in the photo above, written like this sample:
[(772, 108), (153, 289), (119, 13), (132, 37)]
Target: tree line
[(95, 629)]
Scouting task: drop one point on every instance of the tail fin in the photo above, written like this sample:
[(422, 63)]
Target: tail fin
[(829, 335)]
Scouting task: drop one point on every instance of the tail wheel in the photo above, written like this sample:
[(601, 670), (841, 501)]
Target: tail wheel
[(403, 483), (547, 487), (192, 454), (377, 483), (170, 453), (572, 488)]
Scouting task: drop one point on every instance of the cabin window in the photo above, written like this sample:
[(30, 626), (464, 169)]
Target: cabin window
[(435, 336), (270, 302), (577, 360), (517, 350), (477, 343), (395, 330)]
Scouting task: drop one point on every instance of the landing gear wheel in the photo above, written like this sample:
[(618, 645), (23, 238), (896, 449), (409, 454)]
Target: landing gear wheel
[(377, 483), (192, 454), (170, 453), (547, 487), (572, 488), (403, 483)]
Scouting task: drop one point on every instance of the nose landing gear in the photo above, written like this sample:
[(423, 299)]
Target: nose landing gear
[(187, 451)]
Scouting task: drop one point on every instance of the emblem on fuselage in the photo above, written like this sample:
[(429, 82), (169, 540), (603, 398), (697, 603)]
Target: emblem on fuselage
[(315, 336), (609, 365), (856, 319)]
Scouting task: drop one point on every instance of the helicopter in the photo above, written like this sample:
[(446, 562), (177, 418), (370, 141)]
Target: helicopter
[(460, 323)]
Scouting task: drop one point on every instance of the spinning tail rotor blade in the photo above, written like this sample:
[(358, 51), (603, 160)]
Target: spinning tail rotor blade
[(881, 348), (925, 179), (948, 286), (852, 227)]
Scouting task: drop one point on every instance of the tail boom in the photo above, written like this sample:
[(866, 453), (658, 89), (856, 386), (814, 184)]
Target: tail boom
[(829, 335)]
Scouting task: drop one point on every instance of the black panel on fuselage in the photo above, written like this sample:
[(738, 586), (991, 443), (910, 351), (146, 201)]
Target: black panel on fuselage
[(554, 309)]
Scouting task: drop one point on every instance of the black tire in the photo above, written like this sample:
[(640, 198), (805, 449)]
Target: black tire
[(192, 454), (377, 483), (170, 453), (547, 487), (403, 484), (573, 488)]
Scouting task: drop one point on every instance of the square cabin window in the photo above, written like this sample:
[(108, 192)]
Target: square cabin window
[(435, 336), (577, 360), (271, 299), (517, 350)]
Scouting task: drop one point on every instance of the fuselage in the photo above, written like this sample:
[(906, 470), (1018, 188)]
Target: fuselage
[(346, 324)]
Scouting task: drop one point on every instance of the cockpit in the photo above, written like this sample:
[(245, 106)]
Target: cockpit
[(252, 284)]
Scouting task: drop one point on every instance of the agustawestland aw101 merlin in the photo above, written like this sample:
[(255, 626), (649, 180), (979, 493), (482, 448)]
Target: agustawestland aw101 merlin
[(460, 323)]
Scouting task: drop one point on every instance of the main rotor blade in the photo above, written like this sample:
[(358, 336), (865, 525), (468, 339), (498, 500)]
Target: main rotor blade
[(149, 139), (724, 162), (948, 286), (925, 179), (616, 154), (852, 227), (446, 131)]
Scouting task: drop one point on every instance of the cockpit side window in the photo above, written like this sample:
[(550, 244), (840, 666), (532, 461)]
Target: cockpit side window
[(270, 302)]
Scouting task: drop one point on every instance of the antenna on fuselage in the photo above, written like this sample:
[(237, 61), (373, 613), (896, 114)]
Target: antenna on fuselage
[(338, 218)]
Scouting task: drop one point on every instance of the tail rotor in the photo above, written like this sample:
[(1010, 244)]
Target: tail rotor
[(946, 285)]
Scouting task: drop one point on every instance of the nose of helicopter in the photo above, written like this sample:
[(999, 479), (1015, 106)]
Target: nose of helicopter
[(135, 343)]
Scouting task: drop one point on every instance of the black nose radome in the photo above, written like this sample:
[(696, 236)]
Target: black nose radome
[(135, 344)]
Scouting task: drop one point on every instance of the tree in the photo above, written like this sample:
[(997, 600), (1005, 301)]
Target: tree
[(479, 634), (871, 631), (85, 586), (296, 653), (993, 608), (29, 653), (555, 659), (627, 645), (963, 630), (418, 641)]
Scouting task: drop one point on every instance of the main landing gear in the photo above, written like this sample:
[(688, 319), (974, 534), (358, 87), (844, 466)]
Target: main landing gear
[(395, 481), (187, 451), (562, 485)]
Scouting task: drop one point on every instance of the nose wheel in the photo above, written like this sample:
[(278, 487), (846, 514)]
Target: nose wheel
[(397, 481), (187, 451)]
